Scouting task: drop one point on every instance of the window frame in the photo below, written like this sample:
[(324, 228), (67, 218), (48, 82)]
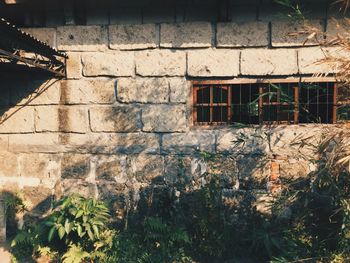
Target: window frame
[(289, 80)]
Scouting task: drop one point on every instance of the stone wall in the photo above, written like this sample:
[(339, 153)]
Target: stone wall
[(120, 122)]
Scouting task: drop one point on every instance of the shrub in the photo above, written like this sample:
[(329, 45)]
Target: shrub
[(77, 228)]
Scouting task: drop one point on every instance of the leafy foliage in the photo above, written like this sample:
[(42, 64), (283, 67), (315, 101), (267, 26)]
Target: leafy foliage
[(77, 227)]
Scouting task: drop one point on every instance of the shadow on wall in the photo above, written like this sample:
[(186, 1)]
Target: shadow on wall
[(21, 91)]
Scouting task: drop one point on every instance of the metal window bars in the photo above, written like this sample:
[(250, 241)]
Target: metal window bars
[(264, 102)]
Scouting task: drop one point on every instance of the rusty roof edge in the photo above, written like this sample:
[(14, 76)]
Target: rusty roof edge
[(27, 35)]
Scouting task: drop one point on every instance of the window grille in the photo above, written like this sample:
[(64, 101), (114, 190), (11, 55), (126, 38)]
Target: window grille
[(269, 102)]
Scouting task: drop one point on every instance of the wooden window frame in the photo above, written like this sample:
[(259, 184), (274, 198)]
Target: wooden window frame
[(295, 119)]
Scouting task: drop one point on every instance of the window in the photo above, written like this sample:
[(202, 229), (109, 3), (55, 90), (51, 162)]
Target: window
[(269, 102)]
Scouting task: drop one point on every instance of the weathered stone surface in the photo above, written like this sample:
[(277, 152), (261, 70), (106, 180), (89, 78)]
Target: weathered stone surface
[(46, 35), (186, 35), (97, 90), (8, 164), (262, 62), (75, 166), (82, 38), (225, 168), (287, 33), (179, 90), (293, 171), (164, 118), (38, 142), (72, 186), (116, 196), (244, 34), (67, 119), (213, 63), (297, 141), (150, 90), (17, 120), (39, 165), (126, 143), (117, 64), (311, 60), (73, 65), (4, 142), (146, 168), (115, 119), (132, 37), (253, 171), (160, 63), (36, 92), (245, 141), (188, 143), (111, 168), (38, 199), (177, 169)]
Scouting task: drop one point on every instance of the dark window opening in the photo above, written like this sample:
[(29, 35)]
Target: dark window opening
[(270, 103)]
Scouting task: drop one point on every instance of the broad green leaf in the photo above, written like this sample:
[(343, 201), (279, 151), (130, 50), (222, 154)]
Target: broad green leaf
[(51, 233), (68, 226), (80, 230), (61, 232), (96, 231), (79, 213)]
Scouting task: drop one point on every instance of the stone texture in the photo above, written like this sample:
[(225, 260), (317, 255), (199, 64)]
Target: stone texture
[(8, 164), (97, 90), (132, 37), (75, 166), (177, 169), (39, 142), (17, 120), (4, 142), (242, 141), (82, 38), (38, 199), (109, 143), (111, 168), (35, 92), (300, 141), (73, 65), (73, 186), (213, 63), (117, 64), (164, 118), (66, 119), (150, 90), (244, 34), (186, 35), (115, 119), (287, 33), (267, 62), (46, 35), (179, 90), (189, 143), (146, 168), (160, 63), (311, 60), (39, 165), (291, 171)]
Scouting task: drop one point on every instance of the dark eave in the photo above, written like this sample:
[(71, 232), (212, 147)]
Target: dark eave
[(22, 49)]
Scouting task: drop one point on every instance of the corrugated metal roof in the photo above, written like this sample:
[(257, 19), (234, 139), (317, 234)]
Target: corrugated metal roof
[(8, 29)]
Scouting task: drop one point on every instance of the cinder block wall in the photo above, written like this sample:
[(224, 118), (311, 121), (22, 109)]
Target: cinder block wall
[(120, 122)]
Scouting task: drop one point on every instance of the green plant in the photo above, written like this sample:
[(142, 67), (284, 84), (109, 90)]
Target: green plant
[(76, 229)]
